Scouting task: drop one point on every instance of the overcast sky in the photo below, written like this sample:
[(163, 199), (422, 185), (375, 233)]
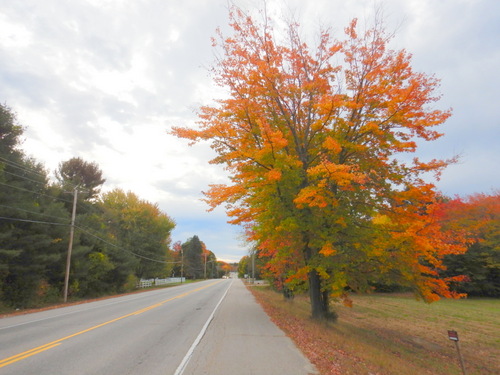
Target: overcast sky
[(105, 79)]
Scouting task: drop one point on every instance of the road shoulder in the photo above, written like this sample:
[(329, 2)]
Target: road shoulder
[(242, 339)]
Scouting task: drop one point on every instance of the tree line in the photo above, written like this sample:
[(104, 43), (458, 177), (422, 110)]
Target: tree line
[(118, 237)]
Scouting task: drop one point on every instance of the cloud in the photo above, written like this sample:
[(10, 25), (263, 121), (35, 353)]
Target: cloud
[(105, 79)]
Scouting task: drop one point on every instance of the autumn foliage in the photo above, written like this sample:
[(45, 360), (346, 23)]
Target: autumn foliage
[(313, 140), (478, 217)]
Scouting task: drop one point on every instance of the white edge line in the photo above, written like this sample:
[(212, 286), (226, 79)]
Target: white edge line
[(189, 353)]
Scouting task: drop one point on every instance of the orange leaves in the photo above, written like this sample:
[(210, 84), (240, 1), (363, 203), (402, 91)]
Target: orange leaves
[(477, 215), (219, 194), (186, 133), (274, 175), (327, 250), (327, 175), (310, 196), (332, 145)]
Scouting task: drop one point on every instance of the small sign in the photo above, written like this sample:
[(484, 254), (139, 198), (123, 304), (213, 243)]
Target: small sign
[(453, 335)]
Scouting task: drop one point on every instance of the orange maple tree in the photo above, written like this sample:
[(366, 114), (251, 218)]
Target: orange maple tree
[(311, 139)]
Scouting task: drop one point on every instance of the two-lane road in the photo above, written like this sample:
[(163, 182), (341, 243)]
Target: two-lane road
[(156, 332), (146, 333)]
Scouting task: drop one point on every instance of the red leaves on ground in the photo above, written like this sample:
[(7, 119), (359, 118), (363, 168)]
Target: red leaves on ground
[(313, 344)]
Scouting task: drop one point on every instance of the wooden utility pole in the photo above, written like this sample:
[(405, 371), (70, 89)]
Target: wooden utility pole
[(70, 246), (182, 264), (205, 271), (253, 266)]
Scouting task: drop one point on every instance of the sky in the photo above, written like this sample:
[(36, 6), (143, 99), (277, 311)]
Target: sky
[(105, 80)]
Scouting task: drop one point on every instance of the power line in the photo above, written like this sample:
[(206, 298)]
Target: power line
[(32, 212), (34, 192), (30, 170), (21, 166), (76, 226), (89, 233), (30, 221), (26, 178), (122, 248)]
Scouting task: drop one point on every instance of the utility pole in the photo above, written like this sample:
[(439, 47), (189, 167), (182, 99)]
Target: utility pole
[(205, 270), (70, 246), (253, 266), (182, 264)]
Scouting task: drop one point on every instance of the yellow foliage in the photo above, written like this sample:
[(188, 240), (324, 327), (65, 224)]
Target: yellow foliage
[(381, 220), (322, 273)]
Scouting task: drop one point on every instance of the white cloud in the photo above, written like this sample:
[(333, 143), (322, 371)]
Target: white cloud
[(13, 35), (105, 79)]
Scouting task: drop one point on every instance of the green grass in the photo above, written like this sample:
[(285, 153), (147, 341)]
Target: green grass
[(395, 334)]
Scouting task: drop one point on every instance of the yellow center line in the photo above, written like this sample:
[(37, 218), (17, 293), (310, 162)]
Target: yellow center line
[(27, 354), (50, 345)]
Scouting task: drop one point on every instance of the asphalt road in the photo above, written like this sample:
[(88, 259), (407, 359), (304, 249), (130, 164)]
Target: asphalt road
[(212, 327)]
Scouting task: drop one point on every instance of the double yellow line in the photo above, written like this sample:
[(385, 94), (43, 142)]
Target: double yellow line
[(50, 345)]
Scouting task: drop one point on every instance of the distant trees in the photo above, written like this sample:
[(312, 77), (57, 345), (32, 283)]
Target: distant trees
[(243, 266), (210, 265), (199, 262), (143, 229), (477, 215), (193, 262), (252, 268)]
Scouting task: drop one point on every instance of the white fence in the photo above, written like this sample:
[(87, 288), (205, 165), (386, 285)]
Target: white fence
[(146, 283)]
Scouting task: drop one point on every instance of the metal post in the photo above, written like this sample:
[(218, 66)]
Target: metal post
[(70, 245)]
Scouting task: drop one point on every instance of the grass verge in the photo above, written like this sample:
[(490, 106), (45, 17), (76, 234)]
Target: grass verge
[(392, 334)]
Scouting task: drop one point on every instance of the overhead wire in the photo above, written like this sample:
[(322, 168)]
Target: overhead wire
[(33, 212), (21, 166), (26, 178), (35, 192), (90, 234), (122, 248), (31, 221), (27, 169)]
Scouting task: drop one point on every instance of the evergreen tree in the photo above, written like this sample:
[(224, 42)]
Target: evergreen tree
[(193, 258), (33, 224), (78, 172)]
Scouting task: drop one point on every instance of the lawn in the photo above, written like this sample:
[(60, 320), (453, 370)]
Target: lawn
[(392, 334)]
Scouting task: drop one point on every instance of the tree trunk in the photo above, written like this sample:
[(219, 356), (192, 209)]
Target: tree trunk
[(319, 299)]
